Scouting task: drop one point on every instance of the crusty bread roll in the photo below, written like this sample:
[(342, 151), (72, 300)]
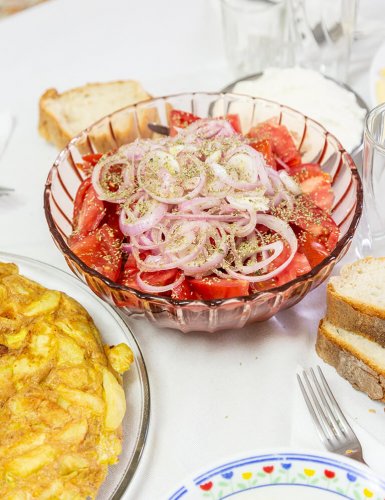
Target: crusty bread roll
[(63, 116)]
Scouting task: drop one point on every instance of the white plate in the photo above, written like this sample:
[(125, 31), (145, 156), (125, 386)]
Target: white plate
[(361, 103), (278, 475), (113, 330), (378, 63)]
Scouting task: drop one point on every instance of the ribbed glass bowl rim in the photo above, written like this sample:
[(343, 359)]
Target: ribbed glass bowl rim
[(215, 302), (144, 423)]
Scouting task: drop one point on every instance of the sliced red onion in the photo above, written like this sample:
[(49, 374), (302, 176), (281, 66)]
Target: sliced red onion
[(220, 171), (173, 256), (213, 261), (276, 247), (290, 183), (282, 164), (206, 261), (284, 230), (245, 229), (101, 170), (283, 196), (259, 163), (146, 287), (204, 216), (202, 203), (168, 261), (135, 151), (131, 225), (256, 201), (167, 177), (208, 128), (182, 235)]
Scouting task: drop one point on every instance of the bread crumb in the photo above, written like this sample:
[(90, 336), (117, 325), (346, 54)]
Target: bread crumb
[(372, 410)]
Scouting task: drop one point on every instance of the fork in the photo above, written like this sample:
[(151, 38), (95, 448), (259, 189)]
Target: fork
[(4, 191), (332, 426)]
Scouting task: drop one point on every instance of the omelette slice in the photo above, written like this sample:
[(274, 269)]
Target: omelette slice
[(61, 396)]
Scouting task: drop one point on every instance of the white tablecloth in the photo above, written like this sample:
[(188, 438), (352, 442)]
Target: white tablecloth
[(212, 395)]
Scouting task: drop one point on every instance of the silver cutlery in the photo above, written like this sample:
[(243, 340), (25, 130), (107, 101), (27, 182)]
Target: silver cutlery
[(4, 191), (332, 426)]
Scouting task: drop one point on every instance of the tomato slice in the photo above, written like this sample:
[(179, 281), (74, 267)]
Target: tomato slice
[(235, 122), (300, 263), (315, 183), (79, 198), (312, 219), (281, 141), (213, 287), (92, 158), (183, 291), (180, 119), (306, 170), (266, 149), (297, 267), (100, 250), (320, 192), (161, 278), (130, 270), (89, 161), (314, 250), (112, 216), (88, 209)]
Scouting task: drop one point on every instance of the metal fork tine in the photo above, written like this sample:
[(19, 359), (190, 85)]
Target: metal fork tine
[(336, 406), (328, 411), (321, 415), (332, 426), (320, 426)]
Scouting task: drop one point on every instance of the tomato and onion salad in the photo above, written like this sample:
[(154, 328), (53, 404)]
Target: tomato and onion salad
[(207, 213)]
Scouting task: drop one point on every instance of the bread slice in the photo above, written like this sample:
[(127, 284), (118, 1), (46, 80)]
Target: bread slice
[(356, 358), (356, 299), (62, 116)]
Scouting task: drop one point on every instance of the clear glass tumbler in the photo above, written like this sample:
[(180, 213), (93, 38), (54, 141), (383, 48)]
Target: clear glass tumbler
[(372, 227), (254, 32), (322, 32)]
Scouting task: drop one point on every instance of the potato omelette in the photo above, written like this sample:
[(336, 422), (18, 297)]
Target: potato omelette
[(61, 396)]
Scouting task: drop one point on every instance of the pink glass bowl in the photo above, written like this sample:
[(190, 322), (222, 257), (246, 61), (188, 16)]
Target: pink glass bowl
[(125, 125)]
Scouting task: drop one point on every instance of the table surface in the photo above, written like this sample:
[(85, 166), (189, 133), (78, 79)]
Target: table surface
[(212, 395)]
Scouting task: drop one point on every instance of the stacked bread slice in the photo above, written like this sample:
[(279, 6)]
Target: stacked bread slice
[(352, 335), (62, 116)]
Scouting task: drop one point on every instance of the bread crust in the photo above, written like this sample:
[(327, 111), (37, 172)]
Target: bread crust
[(360, 306), (355, 317), (51, 128), (360, 373)]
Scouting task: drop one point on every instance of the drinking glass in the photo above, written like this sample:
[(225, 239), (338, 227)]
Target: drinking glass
[(255, 32), (372, 229), (322, 32)]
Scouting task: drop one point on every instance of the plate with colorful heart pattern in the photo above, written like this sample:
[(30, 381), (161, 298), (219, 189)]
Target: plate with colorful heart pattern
[(283, 474)]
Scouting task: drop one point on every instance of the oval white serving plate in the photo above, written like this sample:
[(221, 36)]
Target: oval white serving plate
[(113, 330)]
